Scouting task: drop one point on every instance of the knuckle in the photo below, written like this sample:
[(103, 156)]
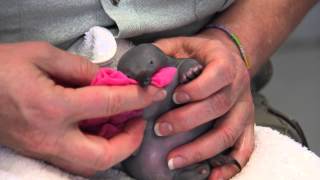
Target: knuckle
[(102, 162), (227, 71), (185, 123), (55, 113), (86, 67), (33, 142), (228, 137), (198, 156), (223, 47), (246, 78), (145, 99), (136, 140), (114, 103), (215, 44), (210, 109), (248, 150), (43, 44), (197, 91), (38, 111), (32, 109), (252, 113), (180, 120), (246, 153), (44, 49), (251, 108), (226, 102), (221, 103)]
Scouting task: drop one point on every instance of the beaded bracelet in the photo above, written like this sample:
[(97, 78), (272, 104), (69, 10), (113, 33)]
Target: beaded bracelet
[(235, 39)]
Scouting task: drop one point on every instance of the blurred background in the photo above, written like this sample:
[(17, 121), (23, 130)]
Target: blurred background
[(295, 85)]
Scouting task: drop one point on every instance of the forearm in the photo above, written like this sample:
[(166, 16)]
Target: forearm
[(261, 25)]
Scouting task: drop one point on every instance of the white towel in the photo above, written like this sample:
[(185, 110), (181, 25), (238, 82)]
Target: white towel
[(16, 167), (275, 157), (278, 157)]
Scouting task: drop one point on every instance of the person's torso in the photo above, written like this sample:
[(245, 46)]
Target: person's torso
[(63, 21)]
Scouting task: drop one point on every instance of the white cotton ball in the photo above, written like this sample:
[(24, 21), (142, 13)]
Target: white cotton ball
[(99, 44)]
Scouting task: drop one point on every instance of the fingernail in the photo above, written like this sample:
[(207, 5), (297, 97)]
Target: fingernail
[(160, 95), (180, 98), (176, 162), (163, 129)]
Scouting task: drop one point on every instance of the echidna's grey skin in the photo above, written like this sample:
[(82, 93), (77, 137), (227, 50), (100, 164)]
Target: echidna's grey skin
[(141, 62), (150, 162)]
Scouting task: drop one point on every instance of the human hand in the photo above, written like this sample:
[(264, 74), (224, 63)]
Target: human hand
[(39, 116), (221, 94)]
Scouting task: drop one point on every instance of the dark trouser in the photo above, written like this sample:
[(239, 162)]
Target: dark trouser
[(267, 116)]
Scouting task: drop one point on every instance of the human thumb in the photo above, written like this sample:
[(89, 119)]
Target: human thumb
[(169, 46), (69, 68)]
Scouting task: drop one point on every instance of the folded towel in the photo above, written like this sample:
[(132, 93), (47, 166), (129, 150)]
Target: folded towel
[(16, 167), (278, 157), (275, 157)]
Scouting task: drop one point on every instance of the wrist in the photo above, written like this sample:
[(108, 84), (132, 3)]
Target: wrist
[(247, 53), (218, 35), (231, 38)]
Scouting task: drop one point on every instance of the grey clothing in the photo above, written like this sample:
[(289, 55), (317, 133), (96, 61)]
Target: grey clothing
[(57, 21), (61, 22)]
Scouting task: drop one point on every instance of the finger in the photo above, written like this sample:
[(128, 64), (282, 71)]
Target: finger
[(215, 76), (127, 142), (189, 47), (170, 46), (221, 68), (223, 136), (194, 114), (241, 152), (182, 47), (213, 49), (76, 152), (89, 153), (62, 65), (102, 101)]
